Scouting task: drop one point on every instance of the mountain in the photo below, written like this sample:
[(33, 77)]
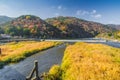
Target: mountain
[(114, 26), (72, 27), (57, 27), (30, 26), (4, 19)]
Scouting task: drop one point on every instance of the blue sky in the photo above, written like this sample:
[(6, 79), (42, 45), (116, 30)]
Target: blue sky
[(103, 11)]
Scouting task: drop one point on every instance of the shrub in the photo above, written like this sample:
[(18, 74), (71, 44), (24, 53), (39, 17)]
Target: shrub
[(54, 73)]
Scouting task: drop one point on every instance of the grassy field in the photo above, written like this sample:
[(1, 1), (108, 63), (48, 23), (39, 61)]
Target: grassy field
[(87, 61), (16, 51)]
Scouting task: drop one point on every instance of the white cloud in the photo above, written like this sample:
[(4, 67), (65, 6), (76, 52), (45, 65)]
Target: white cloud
[(57, 14), (92, 13), (97, 16), (59, 10), (80, 12), (59, 7)]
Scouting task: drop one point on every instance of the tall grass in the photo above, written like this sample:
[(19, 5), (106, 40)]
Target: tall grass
[(14, 52), (87, 61)]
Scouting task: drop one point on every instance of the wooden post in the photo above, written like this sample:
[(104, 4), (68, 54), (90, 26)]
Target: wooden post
[(35, 70), (0, 51)]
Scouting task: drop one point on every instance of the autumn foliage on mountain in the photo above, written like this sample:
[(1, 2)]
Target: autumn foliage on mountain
[(57, 27), (30, 26), (78, 28)]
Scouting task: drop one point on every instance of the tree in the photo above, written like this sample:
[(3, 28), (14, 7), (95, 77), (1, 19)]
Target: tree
[(35, 31), (26, 32), (19, 31), (28, 17), (1, 31)]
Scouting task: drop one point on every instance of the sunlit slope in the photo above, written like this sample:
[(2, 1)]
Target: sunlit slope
[(87, 61)]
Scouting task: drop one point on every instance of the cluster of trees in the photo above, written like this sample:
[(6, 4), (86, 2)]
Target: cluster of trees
[(110, 35), (1, 31), (22, 32), (17, 31), (115, 35)]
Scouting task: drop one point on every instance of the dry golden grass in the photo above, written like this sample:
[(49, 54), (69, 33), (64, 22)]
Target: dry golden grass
[(14, 52), (87, 61)]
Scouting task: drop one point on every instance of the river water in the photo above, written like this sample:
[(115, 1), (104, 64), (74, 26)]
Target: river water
[(46, 59)]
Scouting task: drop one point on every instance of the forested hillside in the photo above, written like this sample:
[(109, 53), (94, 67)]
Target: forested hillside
[(57, 27), (30, 26), (78, 28)]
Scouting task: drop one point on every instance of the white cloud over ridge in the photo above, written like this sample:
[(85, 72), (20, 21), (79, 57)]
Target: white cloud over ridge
[(92, 13), (97, 16), (59, 10), (80, 12), (57, 14)]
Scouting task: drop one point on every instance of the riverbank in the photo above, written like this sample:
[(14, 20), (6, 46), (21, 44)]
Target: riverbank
[(46, 59), (109, 39), (87, 61), (16, 51)]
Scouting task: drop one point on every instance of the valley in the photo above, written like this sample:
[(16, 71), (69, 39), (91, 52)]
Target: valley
[(23, 40)]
